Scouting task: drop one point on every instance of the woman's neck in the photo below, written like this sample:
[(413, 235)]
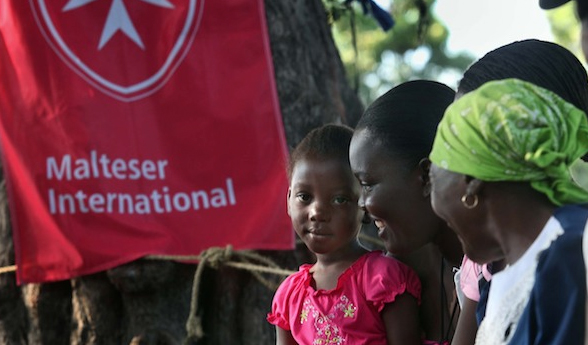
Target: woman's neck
[(449, 245), (517, 219), (520, 232)]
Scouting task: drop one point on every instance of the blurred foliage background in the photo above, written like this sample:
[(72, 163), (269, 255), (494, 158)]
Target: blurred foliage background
[(566, 28), (416, 47), (566, 31)]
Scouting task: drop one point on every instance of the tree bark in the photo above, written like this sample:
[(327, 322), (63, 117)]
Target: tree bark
[(310, 77), (146, 301), (13, 313)]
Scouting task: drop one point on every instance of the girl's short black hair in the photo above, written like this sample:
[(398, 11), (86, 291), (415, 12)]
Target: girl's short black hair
[(330, 141)]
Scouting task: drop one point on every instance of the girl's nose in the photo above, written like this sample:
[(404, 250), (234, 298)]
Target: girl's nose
[(318, 212)]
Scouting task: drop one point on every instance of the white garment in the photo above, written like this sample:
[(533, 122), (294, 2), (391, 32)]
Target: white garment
[(458, 290), (511, 288)]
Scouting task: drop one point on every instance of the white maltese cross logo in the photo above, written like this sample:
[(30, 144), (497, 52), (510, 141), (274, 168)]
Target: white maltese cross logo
[(118, 19), (126, 48)]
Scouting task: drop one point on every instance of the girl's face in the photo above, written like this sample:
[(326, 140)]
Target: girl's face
[(322, 203), (393, 195)]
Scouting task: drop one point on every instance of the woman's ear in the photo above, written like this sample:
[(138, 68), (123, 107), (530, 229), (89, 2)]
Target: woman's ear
[(474, 186), (471, 199), (425, 167)]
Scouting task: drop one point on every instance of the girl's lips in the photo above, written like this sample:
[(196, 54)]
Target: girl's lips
[(318, 233)]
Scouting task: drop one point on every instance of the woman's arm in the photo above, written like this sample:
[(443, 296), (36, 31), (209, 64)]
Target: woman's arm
[(284, 337), (467, 326), (401, 319)]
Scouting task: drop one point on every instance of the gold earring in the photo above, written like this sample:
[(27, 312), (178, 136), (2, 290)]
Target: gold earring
[(467, 204)]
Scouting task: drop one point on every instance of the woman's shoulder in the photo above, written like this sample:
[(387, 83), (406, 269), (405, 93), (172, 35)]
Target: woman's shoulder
[(377, 259), (564, 256), (387, 270), (382, 278), (573, 220), (558, 297)]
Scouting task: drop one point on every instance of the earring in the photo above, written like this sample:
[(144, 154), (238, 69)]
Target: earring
[(469, 201)]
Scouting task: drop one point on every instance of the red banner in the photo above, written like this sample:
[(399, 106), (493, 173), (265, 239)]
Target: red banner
[(137, 127)]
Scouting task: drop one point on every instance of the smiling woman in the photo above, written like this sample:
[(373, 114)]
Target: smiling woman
[(388, 155)]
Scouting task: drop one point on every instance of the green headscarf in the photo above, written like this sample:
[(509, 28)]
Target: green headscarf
[(511, 130)]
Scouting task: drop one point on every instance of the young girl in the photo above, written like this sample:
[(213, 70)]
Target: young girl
[(350, 295)]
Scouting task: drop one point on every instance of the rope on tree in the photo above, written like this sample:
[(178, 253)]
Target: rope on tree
[(7, 269), (216, 257), (213, 257), (253, 268)]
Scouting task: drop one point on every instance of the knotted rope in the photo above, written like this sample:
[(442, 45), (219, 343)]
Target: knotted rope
[(212, 257), (216, 257)]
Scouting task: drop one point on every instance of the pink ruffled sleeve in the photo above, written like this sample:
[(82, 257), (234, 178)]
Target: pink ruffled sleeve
[(280, 305), (385, 278)]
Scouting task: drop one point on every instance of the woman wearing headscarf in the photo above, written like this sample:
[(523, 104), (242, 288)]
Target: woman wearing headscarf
[(542, 63), (501, 180)]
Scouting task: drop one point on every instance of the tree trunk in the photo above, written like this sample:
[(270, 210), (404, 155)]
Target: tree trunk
[(148, 301)]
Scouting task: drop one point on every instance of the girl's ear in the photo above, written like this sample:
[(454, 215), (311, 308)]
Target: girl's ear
[(288, 200)]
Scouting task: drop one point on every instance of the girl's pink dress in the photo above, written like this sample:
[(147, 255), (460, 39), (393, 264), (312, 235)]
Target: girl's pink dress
[(348, 314)]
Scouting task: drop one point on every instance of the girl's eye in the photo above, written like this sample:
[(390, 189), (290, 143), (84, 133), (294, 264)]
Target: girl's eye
[(303, 197), (340, 200)]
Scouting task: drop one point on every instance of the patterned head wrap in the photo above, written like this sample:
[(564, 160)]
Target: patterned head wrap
[(511, 130)]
